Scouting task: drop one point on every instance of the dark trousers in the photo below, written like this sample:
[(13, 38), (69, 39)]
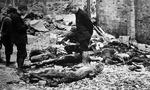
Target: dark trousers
[(6, 41), (21, 51)]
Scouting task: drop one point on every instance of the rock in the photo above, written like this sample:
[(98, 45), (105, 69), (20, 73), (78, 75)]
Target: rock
[(22, 83), (33, 88), (109, 61), (124, 39), (35, 52), (108, 52), (96, 58), (137, 59), (135, 68), (123, 55), (42, 83), (107, 55), (141, 46), (138, 70), (34, 80), (38, 25), (99, 45), (31, 38), (85, 58), (148, 68), (148, 56)]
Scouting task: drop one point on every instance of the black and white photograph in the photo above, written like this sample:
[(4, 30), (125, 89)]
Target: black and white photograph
[(74, 44)]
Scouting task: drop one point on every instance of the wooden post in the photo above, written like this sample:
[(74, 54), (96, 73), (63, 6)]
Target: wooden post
[(45, 10), (13, 3), (88, 8), (97, 12), (131, 28)]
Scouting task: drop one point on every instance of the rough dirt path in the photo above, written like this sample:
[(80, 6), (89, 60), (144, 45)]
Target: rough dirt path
[(7, 75)]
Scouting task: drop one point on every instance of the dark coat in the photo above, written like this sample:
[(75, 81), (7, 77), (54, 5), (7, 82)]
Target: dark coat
[(19, 30), (7, 26), (83, 22), (6, 33), (84, 30), (84, 26)]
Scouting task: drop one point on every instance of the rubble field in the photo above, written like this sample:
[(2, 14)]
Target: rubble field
[(110, 64)]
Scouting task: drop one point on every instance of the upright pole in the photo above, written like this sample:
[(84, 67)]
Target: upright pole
[(131, 28), (45, 10), (13, 3), (97, 12), (88, 8), (5, 4)]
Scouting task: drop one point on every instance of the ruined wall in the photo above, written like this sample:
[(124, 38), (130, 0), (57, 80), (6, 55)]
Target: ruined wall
[(143, 21), (113, 16)]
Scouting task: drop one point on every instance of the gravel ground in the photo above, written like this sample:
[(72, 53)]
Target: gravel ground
[(113, 77)]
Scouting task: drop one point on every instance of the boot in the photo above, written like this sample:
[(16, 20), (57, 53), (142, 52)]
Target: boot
[(20, 68), (8, 63), (20, 62), (1, 59), (7, 60)]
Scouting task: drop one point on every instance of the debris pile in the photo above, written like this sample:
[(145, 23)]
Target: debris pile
[(67, 68), (51, 23), (50, 65)]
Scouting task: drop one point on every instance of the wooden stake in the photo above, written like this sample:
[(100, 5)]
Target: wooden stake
[(88, 8), (13, 3), (45, 10)]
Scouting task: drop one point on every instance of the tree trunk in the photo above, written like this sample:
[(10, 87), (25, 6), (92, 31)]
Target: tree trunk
[(131, 28)]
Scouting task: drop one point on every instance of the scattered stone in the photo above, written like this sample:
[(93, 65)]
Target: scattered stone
[(33, 88), (42, 83), (148, 56), (135, 68), (22, 83)]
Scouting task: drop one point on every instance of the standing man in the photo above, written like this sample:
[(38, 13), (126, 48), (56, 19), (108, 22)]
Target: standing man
[(6, 26), (18, 35), (81, 34)]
